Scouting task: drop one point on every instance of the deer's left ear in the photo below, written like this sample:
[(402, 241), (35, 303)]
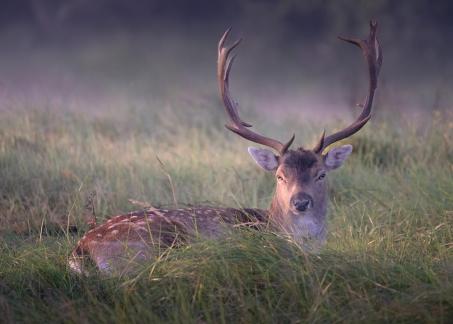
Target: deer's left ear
[(264, 158), (336, 156)]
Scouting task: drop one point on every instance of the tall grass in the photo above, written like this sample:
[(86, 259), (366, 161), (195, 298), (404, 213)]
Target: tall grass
[(389, 255)]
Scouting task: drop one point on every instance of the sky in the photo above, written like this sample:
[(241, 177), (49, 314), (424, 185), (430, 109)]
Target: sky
[(92, 55)]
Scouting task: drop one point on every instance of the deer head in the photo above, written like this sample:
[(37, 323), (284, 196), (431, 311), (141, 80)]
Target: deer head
[(300, 199)]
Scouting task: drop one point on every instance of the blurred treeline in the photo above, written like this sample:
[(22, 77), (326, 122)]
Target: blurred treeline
[(291, 49), (414, 21)]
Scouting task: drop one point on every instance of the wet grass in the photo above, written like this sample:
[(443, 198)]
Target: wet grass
[(389, 256)]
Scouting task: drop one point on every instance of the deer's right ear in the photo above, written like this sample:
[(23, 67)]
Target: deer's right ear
[(264, 158), (336, 156)]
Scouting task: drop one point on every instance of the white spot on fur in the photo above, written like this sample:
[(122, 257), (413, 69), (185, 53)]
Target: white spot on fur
[(114, 232), (99, 235), (75, 265)]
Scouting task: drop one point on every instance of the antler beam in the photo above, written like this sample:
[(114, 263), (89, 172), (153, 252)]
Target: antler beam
[(224, 64), (372, 52)]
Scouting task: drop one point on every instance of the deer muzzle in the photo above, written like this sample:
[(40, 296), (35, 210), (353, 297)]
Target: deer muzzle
[(301, 202)]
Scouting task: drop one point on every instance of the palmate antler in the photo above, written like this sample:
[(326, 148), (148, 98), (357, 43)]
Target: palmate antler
[(372, 52), (224, 64), (371, 49)]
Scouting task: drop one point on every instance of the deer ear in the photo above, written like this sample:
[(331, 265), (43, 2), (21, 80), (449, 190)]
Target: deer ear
[(264, 158), (336, 156)]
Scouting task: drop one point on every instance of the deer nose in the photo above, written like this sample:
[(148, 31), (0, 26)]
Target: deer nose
[(301, 205), (302, 202)]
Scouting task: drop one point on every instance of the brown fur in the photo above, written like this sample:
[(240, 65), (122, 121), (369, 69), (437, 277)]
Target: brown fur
[(125, 241)]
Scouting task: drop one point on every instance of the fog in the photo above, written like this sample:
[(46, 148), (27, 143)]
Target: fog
[(112, 55)]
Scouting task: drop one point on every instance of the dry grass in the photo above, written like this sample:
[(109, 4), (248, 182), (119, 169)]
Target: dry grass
[(390, 249)]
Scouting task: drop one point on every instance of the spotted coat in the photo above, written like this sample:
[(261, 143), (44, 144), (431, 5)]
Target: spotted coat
[(125, 241)]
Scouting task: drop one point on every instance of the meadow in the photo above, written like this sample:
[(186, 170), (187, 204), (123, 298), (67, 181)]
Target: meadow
[(389, 256)]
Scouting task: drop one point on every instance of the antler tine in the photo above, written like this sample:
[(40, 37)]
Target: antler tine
[(238, 126), (372, 52)]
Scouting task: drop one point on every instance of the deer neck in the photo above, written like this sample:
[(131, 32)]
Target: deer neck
[(277, 213)]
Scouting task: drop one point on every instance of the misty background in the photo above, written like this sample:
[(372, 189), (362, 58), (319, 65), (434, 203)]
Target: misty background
[(111, 55)]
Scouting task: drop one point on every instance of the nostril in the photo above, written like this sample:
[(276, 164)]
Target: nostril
[(301, 205)]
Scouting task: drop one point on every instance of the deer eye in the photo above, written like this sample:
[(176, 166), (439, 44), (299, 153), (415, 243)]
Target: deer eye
[(321, 176), (280, 178)]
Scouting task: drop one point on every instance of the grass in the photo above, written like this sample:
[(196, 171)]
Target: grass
[(389, 256)]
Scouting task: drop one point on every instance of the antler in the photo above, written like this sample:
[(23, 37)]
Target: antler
[(224, 64), (371, 49)]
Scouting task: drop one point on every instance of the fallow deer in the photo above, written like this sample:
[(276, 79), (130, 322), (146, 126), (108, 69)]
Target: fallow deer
[(298, 207)]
